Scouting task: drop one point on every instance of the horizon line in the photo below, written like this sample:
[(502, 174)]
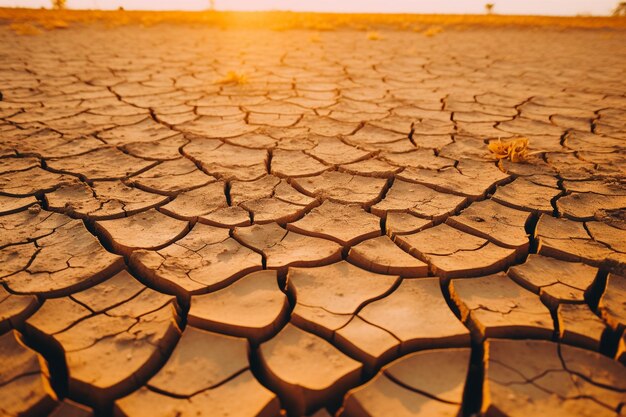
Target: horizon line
[(586, 15)]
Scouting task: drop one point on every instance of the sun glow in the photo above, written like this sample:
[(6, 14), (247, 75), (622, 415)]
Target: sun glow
[(531, 7)]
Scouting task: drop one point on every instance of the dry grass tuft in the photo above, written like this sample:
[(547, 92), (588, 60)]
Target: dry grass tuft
[(373, 36), (280, 27), (322, 26), (315, 38), (515, 150), (25, 29), (53, 24), (432, 31), (235, 78)]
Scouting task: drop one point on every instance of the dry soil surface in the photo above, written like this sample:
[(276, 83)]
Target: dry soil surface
[(220, 222)]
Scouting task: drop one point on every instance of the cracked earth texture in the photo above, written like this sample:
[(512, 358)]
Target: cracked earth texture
[(328, 238)]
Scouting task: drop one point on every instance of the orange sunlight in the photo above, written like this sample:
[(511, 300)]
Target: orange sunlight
[(532, 7)]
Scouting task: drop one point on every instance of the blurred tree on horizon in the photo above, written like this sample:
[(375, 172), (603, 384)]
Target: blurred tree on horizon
[(620, 9), (489, 8), (59, 4)]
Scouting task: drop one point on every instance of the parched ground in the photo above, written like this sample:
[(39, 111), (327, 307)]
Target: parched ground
[(202, 221)]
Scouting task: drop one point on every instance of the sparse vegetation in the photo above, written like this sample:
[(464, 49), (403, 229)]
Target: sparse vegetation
[(432, 31), (59, 4), (373, 36), (54, 24), (287, 21), (620, 9), (25, 29), (322, 26), (489, 8), (234, 78), (515, 150)]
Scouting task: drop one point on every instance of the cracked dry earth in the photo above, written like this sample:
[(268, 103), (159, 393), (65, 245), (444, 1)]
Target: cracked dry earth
[(329, 238)]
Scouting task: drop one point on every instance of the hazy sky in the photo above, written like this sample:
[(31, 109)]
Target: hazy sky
[(545, 7)]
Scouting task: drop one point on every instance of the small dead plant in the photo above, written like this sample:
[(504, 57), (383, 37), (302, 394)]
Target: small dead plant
[(373, 36), (234, 78), (515, 150), (52, 24), (432, 31), (315, 38)]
